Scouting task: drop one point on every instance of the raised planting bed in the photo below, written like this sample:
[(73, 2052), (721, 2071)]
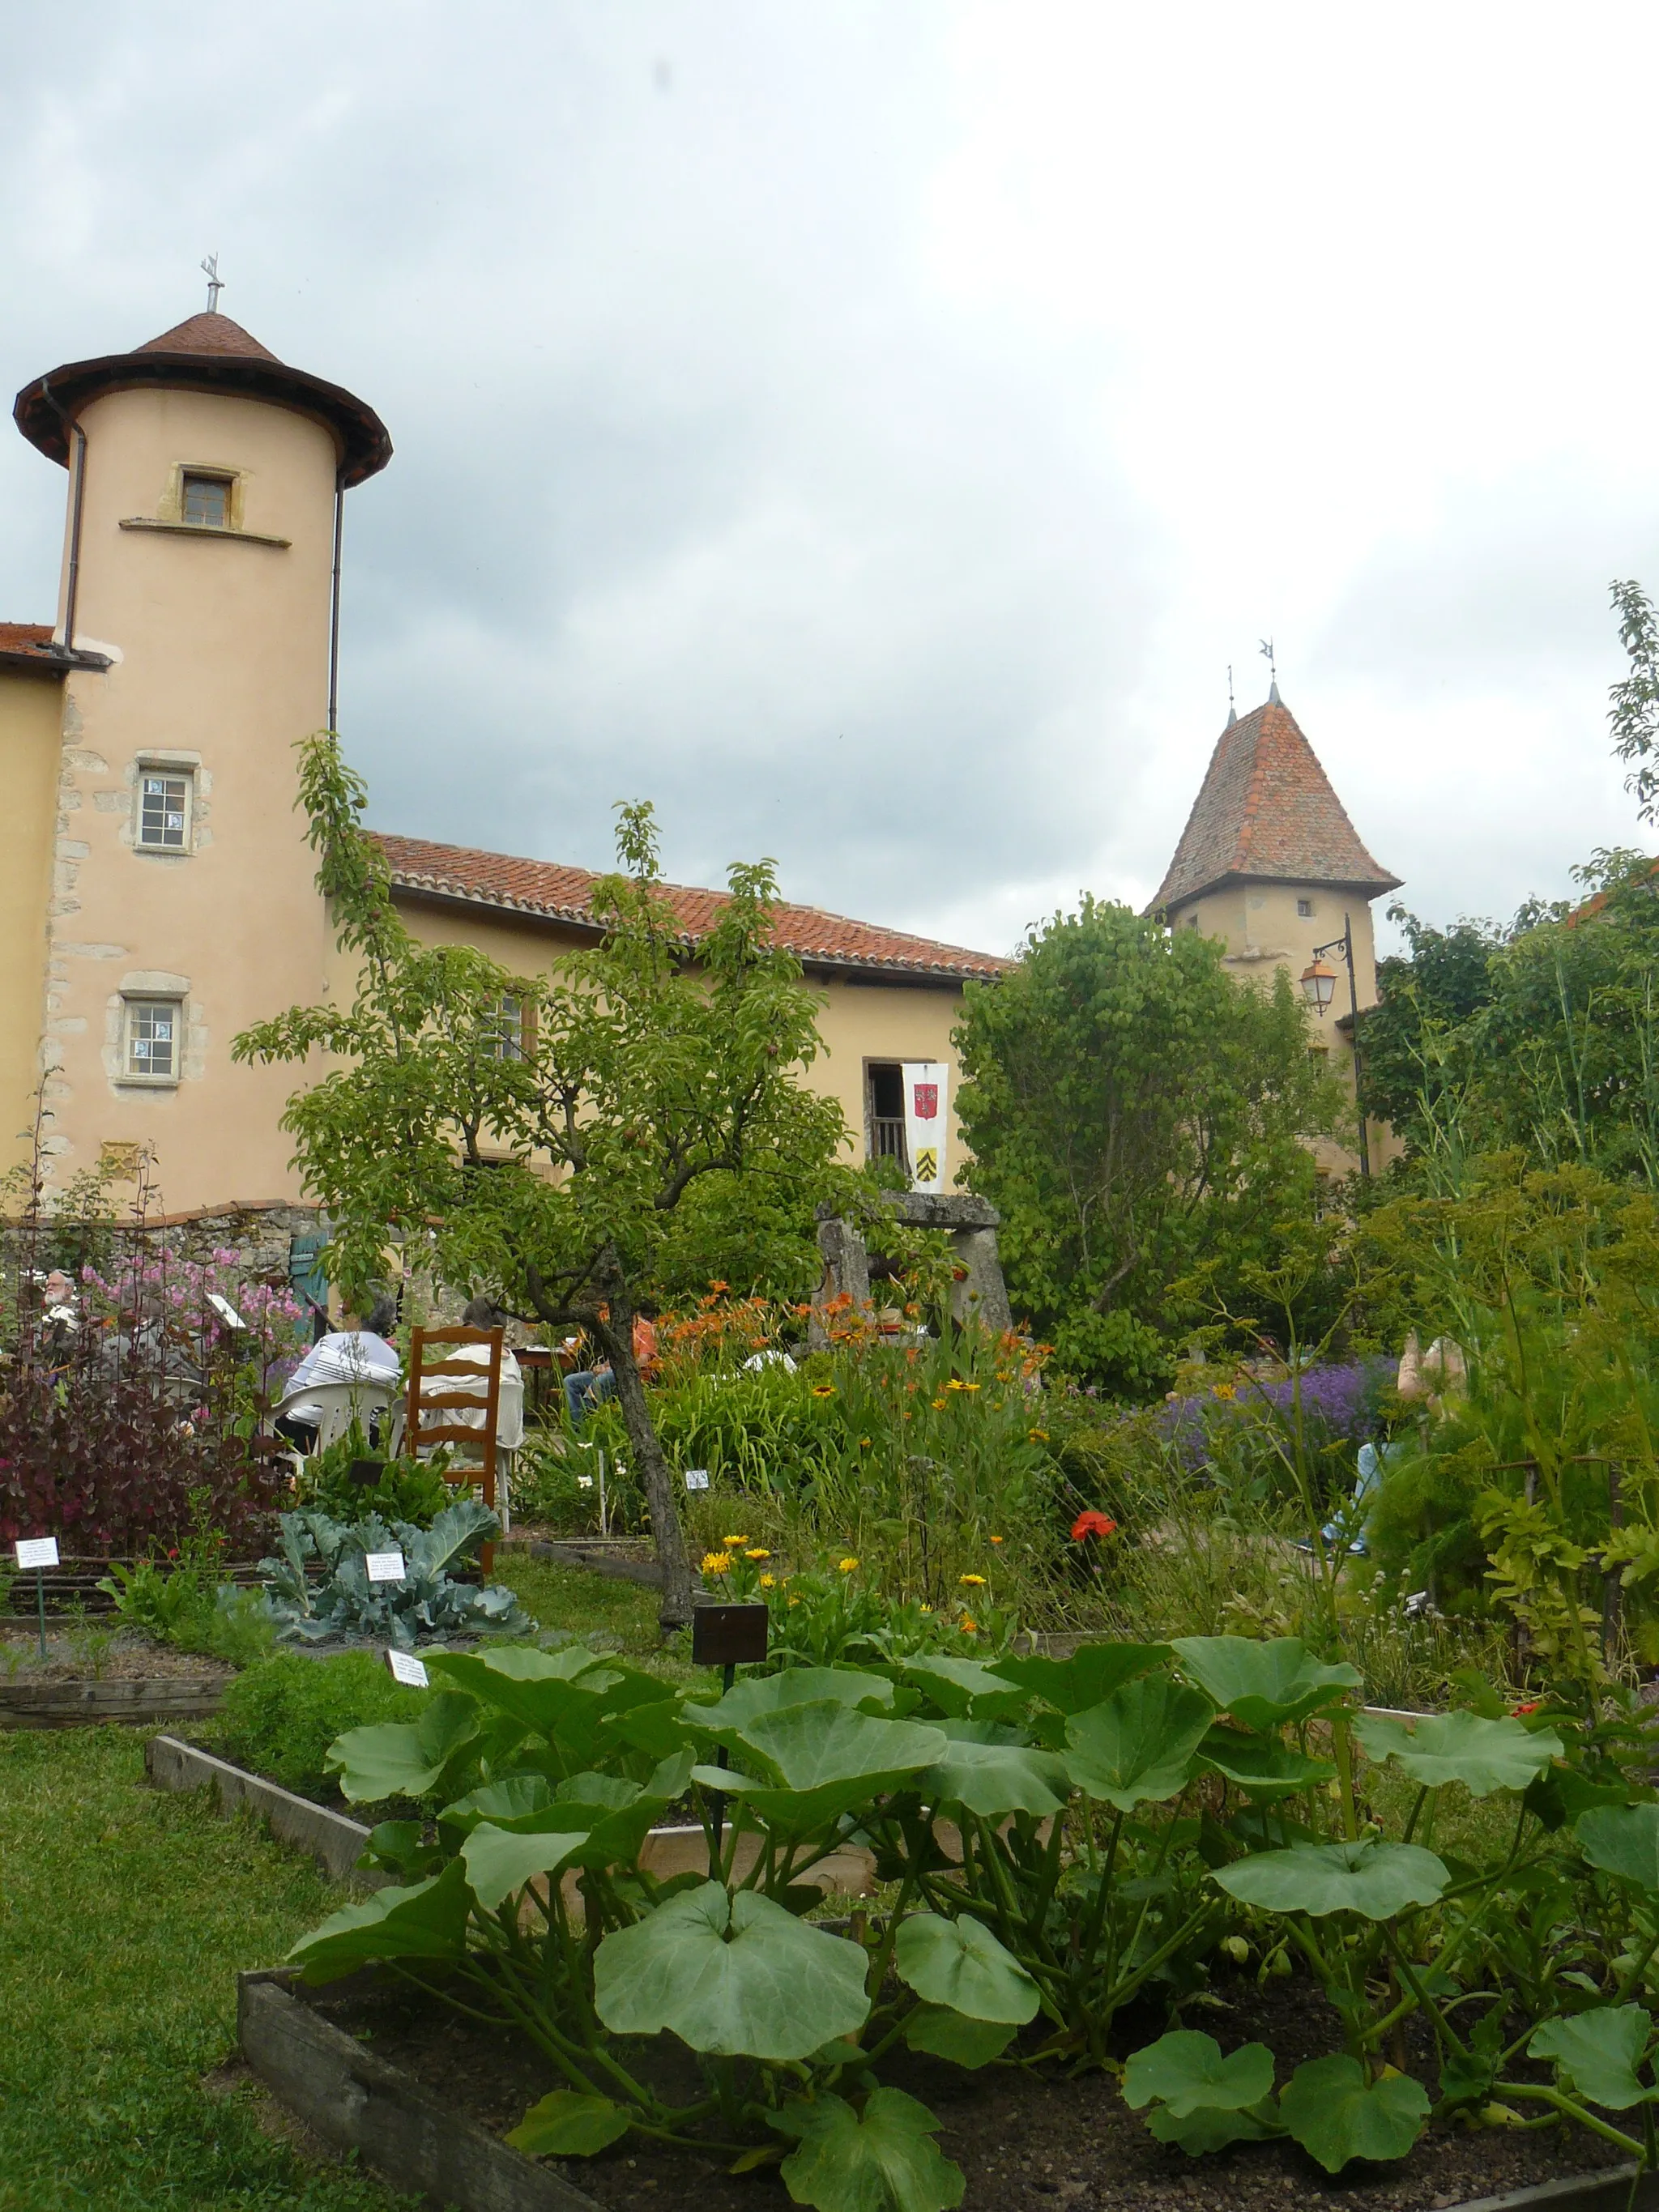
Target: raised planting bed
[(125, 1678), (337, 1842), (427, 2096), (333, 1839)]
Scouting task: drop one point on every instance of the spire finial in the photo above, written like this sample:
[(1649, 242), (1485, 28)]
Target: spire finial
[(215, 283), (1233, 711), (1266, 649)]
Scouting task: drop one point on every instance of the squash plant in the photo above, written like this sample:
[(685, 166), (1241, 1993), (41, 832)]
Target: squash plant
[(1062, 1837)]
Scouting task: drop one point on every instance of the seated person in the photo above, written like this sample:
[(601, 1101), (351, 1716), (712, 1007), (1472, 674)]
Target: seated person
[(592, 1386), (356, 1353), (479, 1313)]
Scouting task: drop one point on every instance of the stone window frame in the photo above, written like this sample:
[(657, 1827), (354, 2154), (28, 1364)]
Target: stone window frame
[(149, 770), (133, 1002), (173, 505), (1305, 909), (168, 761)]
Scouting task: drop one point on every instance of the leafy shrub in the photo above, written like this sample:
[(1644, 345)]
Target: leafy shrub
[(280, 1717), (410, 1489), (428, 1601), (127, 1395), (186, 1606)]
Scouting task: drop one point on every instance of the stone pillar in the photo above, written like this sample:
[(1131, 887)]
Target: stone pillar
[(981, 1297)]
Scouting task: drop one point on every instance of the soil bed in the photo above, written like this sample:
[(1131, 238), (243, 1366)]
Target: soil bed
[(1021, 2138), (129, 1658)]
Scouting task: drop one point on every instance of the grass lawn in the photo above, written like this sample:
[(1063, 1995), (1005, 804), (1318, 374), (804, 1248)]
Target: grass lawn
[(125, 1914), (622, 1614)]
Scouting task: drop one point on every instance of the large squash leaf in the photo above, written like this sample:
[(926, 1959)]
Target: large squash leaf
[(1336, 2114), (961, 1963), (883, 2160), (1484, 1755), (730, 1974), (1139, 1744), (1375, 1880), (1264, 1684)]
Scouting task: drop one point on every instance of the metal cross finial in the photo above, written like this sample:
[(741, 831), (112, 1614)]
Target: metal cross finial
[(215, 283), (1229, 684)]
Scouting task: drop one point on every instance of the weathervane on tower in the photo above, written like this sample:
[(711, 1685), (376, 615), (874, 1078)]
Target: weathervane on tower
[(1266, 649), (215, 283)]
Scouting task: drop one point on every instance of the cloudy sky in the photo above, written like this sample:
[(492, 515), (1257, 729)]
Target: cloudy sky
[(871, 430)]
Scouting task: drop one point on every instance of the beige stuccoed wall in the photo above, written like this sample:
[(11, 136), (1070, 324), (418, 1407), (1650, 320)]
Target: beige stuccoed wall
[(220, 656), (1264, 932), (31, 718), (859, 1022)]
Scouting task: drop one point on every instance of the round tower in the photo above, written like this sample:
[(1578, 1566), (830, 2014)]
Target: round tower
[(195, 628)]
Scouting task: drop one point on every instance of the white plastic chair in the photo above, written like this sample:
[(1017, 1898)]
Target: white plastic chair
[(338, 1405)]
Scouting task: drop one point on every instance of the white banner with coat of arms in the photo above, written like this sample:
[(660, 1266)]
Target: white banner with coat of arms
[(926, 1109)]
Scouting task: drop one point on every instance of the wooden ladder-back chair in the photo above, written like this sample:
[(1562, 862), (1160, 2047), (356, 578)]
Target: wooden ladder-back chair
[(426, 1411)]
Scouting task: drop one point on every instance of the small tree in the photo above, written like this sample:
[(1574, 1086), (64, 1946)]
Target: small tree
[(545, 1131), (1134, 1113)]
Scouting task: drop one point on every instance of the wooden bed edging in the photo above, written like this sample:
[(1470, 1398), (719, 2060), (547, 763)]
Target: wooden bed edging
[(335, 1841), (85, 1703), (1607, 2192), (356, 2101)]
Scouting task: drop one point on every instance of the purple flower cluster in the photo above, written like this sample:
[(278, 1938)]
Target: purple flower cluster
[(1340, 1405)]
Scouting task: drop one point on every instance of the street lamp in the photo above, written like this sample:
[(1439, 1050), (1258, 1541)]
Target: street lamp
[(1318, 988)]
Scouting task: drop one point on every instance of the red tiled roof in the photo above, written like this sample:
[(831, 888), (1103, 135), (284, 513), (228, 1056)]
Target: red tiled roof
[(1267, 810), (24, 637), (562, 894), (205, 333)]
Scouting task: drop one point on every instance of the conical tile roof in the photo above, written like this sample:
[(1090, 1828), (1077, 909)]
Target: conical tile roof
[(1267, 810), (209, 333)]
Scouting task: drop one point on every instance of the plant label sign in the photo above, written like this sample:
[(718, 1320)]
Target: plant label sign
[(383, 1566), (697, 1478), (37, 1550), (406, 1667), (226, 1311)]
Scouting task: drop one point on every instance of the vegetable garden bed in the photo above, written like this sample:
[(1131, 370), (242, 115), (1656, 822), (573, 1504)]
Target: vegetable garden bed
[(426, 2097)]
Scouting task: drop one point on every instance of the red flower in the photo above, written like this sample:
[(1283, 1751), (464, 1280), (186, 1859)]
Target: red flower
[(1519, 1710), (1092, 1524)]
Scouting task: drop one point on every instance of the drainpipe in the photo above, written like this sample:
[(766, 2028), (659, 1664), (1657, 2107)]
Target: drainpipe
[(334, 611), (73, 430)]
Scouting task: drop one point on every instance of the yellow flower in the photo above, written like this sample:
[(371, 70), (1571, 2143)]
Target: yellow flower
[(940, 1404), (975, 1582), (864, 1443), (955, 1383), (927, 1609), (967, 1625), (1036, 1436), (732, 1542), (1225, 1391), (770, 1582), (847, 1565), (824, 1389), (968, 1386), (758, 1554), (794, 1600), (996, 1540), (717, 1563)]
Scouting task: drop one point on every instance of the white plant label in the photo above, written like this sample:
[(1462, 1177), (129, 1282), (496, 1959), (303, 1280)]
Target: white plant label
[(405, 1667), (37, 1550), (383, 1566), (697, 1478), (226, 1311)]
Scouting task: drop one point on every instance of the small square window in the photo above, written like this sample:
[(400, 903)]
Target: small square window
[(163, 811), (153, 1026), (206, 500), (1304, 907)]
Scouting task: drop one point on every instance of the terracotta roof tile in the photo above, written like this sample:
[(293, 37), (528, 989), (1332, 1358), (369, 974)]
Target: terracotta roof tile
[(1267, 810), (562, 894), (24, 637), (208, 334)]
